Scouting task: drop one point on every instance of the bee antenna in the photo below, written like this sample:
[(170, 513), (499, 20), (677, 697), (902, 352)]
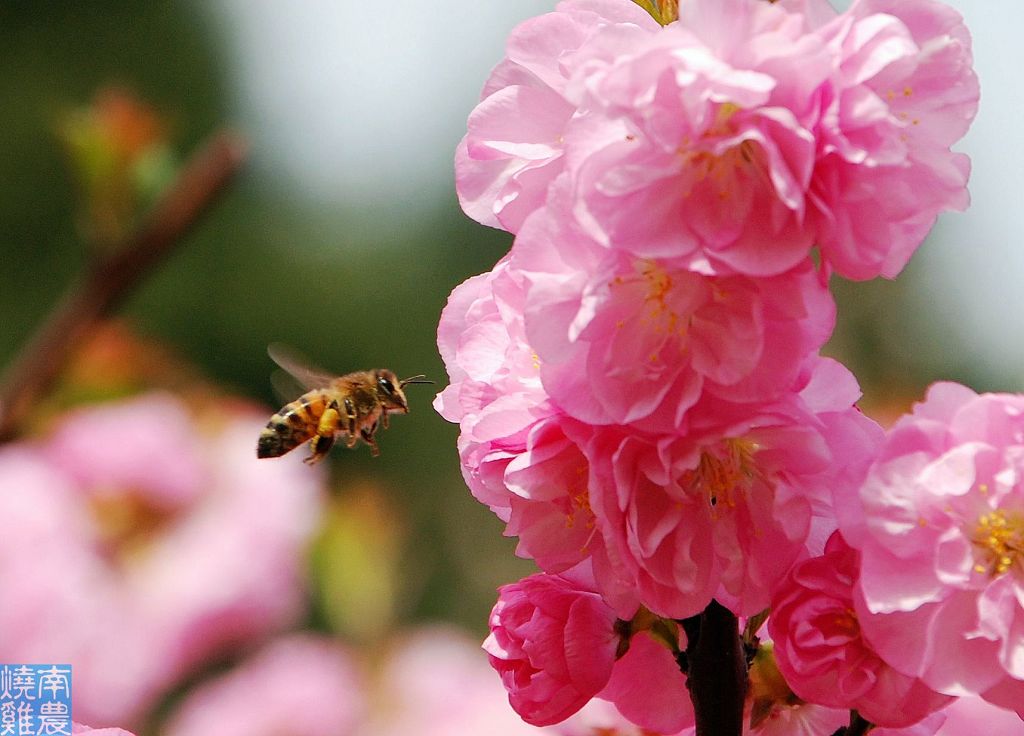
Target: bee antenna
[(414, 379)]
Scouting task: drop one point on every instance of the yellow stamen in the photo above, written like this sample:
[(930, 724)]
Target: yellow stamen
[(999, 542), (723, 472)]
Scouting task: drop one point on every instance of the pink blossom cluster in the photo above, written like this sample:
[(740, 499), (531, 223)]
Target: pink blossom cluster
[(140, 540), (639, 385), (919, 598)]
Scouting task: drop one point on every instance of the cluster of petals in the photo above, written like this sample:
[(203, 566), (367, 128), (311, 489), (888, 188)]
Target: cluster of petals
[(820, 651), (546, 470), (556, 645), (515, 454), (638, 382), (171, 542), (625, 340), (735, 138), (939, 524), (724, 510)]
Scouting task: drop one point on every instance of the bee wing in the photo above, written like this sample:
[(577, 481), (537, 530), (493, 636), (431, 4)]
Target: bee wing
[(307, 376)]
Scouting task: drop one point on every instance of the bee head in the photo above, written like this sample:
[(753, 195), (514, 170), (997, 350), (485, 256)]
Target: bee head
[(390, 388)]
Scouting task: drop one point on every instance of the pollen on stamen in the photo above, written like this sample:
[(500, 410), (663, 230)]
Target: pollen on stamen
[(579, 502), (723, 472), (999, 542)]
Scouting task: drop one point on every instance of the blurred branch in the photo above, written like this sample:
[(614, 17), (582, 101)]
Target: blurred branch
[(111, 278)]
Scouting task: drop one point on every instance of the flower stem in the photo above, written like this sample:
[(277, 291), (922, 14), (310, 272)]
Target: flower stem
[(110, 279), (716, 671)]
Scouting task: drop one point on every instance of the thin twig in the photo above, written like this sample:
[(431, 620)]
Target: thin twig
[(716, 671), (105, 285)]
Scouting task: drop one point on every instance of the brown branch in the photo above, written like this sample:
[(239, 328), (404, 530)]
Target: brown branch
[(716, 671), (105, 285)]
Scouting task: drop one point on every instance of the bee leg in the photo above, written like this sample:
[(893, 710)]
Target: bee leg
[(324, 437), (319, 446), (350, 412), (368, 437), (384, 416)]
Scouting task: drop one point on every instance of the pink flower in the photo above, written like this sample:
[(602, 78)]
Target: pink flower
[(967, 714), (929, 726), (621, 339), (723, 511), (301, 684), (820, 650), (698, 142), (554, 645), (514, 144), (734, 139), (648, 688), (940, 529), (902, 93), (158, 572), (802, 719), (602, 718), (516, 457)]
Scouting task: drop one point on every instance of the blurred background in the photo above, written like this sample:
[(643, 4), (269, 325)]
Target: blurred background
[(343, 238)]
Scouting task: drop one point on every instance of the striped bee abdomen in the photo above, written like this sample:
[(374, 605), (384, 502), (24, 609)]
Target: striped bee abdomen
[(292, 425)]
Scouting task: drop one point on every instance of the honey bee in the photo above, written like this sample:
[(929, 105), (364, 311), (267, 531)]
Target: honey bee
[(353, 405)]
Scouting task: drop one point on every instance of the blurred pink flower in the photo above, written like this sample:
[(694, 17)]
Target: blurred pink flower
[(620, 339), (140, 540), (301, 684), (902, 92), (598, 717), (939, 523), (803, 719), (436, 682), (79, 728), (553, 643), (513, 147), (821, 653), (723, 511)]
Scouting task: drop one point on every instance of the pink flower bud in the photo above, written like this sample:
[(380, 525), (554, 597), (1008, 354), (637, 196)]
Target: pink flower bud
[(822, 654), (554, 644)]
